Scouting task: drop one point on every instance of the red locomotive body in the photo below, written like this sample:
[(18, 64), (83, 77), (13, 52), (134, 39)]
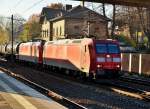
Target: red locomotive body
[(108, 57), (69, 54), (88, 56), (31, 52)]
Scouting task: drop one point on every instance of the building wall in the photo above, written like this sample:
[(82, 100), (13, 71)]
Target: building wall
[(98, 29), (79, 27), (58, 29), (46, 30), (74, 28)]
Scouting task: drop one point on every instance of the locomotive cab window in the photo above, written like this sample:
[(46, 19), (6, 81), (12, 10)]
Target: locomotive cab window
[(107, 48), (101, 48), (113, 48)]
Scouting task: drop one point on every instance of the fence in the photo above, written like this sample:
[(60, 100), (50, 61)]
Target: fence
[(135, 62)]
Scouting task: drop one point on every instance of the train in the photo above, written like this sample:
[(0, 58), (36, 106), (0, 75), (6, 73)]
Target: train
[(85, 57)]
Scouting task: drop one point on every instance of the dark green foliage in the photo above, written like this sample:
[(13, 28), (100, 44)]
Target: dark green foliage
[(126, 40)]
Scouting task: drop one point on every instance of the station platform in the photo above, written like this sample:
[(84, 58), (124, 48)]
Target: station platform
[(16, 95)]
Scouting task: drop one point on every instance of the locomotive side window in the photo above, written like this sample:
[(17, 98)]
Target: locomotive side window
[(101, 48), (113, 48)]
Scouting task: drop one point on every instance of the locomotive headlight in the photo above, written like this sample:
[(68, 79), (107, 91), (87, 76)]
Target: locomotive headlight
[(118, 66), (99, 66), (108, 56)]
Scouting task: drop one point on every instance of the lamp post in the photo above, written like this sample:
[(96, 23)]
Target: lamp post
[(12, 38)]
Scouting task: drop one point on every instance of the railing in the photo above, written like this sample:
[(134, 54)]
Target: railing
[(136, 62)]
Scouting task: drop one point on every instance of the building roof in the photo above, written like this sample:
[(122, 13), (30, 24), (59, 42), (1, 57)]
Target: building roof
[(78, 12), (50, 13)]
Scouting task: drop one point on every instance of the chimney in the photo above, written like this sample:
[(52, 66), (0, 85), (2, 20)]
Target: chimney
[(68, 7)]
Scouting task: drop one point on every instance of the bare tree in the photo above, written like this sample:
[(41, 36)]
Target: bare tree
[(102, 10), (128, 16), (17, 24), (113, 20), (55, 5), (3, 33), (144, 16), (104, 14)]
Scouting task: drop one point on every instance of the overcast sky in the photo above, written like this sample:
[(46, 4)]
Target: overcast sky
[(22, 7), (26, 8)]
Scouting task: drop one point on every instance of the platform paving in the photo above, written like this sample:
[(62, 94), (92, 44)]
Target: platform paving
[(16, 95)]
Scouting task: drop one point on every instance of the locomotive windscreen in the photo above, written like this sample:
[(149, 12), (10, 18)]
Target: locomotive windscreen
[(101, 48), (113, 48), (107, 48)]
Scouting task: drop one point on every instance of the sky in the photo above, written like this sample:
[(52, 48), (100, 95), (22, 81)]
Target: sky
[(25, 8)]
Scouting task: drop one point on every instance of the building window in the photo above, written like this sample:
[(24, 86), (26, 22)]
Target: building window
[(42, 34), (76, 27), (53, 31), (97, 28), (60, 31), (47, 33), (57, 31), (45, 21)]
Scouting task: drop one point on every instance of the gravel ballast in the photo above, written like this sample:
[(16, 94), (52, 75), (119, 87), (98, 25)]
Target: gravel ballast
[(90, 97)]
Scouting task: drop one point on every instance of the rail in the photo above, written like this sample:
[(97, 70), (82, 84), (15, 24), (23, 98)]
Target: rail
[(135, 80), (64, 101), (126, 90)]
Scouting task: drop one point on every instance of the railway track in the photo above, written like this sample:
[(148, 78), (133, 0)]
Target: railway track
[(113, 86), (128, 90), (60, 99), (118, 87), (135, 80)]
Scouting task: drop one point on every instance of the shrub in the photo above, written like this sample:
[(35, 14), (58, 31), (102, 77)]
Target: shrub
[(126, 40)]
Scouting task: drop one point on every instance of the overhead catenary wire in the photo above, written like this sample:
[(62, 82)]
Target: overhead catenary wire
[(35, 4), (18, 3), (13, 18)]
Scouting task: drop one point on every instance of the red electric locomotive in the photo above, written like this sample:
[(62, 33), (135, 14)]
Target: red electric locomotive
[(31, 52), (108, 58), (86, 56)]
